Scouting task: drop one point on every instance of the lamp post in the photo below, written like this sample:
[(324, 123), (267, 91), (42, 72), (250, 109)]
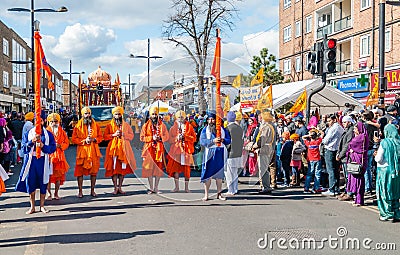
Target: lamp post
[(148, 67), (129, 84), (32, 10), (382, 29), (70, 83)]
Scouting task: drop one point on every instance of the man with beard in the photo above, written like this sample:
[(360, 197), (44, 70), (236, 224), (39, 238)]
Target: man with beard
[(120, 159), (36, 170), (154, 133), (60, 165), (87, 136), (215, 156), (265, 148), (180, 159)]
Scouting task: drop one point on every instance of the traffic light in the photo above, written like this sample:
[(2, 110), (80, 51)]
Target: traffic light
[(314, 59), (329, 62), (312, 64), (99, 89)]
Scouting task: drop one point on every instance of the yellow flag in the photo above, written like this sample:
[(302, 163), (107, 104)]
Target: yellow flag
[(227, 104), (373, 96), (301, 103), (236, 81), (259, 78), (266, 100)]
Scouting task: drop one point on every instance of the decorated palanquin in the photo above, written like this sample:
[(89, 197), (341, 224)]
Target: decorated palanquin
[(100, 90)]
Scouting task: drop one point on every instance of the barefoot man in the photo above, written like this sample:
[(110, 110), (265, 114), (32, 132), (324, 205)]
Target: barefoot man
[(36, 171), (182, 138), (120, 159), (60, 165), (154, 133), (87, 136)]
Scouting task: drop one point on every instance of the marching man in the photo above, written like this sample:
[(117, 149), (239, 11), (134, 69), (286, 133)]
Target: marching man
[(182, 138), (154, 133), (60, 165), (87, 136), (120, 159)]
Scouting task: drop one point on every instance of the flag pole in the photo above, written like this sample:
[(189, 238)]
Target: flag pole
[(38, 121), (218, 107)]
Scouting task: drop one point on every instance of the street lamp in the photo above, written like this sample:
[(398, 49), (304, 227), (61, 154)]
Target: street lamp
[(32, 10), (382, 28), (70, 83), (148, 67), (129, 84)]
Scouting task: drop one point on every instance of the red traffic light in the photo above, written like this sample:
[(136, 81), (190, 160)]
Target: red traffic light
[(331, 43)]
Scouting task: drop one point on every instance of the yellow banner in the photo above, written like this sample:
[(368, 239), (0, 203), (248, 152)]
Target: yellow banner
[(266, 100), (259, 78), (301, 103)]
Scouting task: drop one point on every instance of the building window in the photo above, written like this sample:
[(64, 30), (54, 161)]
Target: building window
[(365, 4), (286, 3), (298, 29), (298, 64), (308, 24), (287, 66), (388, 39), (287, 34), (364, 45), (5, 80), (19, 71), (5, 47)]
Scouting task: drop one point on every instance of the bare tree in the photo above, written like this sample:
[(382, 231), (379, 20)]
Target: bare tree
[(191, 27)]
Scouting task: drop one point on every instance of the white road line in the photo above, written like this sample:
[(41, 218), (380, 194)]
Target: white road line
[(38, 231)]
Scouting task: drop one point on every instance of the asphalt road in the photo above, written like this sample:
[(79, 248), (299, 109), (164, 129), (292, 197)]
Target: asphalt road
[(180, 223)]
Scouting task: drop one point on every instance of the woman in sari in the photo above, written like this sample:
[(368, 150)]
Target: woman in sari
[(357, 152), (388, 177)]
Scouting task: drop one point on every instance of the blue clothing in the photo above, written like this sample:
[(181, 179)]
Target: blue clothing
[(213, 163), (34, 179)]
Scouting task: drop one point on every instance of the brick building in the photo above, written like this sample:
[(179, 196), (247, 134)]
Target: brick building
[(16, 79), (354, 23)]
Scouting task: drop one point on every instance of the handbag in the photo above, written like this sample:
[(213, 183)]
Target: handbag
[(353, 167)]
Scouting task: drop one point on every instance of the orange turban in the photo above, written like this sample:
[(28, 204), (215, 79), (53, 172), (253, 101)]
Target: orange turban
[(53, 117), (286, 135), (294, 137), (29, 116), (180, 113), (118, 109), (85, 110)]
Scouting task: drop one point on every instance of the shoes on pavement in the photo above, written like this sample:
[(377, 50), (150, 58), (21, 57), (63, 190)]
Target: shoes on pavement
[(345, 197), (307, 192), (265, 191), (318, 191), (328, 193), (395, 220), (382, 218)]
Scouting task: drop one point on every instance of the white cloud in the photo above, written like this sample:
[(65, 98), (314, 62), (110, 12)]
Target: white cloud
[(83, 41)]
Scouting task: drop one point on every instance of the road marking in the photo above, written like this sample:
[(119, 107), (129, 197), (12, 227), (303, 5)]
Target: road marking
[(38, 233)]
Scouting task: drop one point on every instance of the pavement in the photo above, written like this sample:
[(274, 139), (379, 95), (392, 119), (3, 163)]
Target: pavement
[(180, 223)]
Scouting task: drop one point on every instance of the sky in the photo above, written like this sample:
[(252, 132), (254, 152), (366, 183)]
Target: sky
[(105, 32)]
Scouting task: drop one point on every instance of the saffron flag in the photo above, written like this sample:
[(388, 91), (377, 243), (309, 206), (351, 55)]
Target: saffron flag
[(266, 99), (236, 81), (227, 105), (38, 106), (301, 103), (373, 96), (259, 78), (216, 72), (41, 62)]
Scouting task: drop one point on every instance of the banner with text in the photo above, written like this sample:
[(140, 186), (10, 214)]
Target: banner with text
[(249, 96)]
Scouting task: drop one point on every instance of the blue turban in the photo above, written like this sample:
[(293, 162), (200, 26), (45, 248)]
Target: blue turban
[(211, 114)]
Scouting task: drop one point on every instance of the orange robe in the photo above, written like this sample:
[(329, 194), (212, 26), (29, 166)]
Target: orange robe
[(181, 151), (60, 165), (153, 153), (2, 186), (87, 155), (119, 149)]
